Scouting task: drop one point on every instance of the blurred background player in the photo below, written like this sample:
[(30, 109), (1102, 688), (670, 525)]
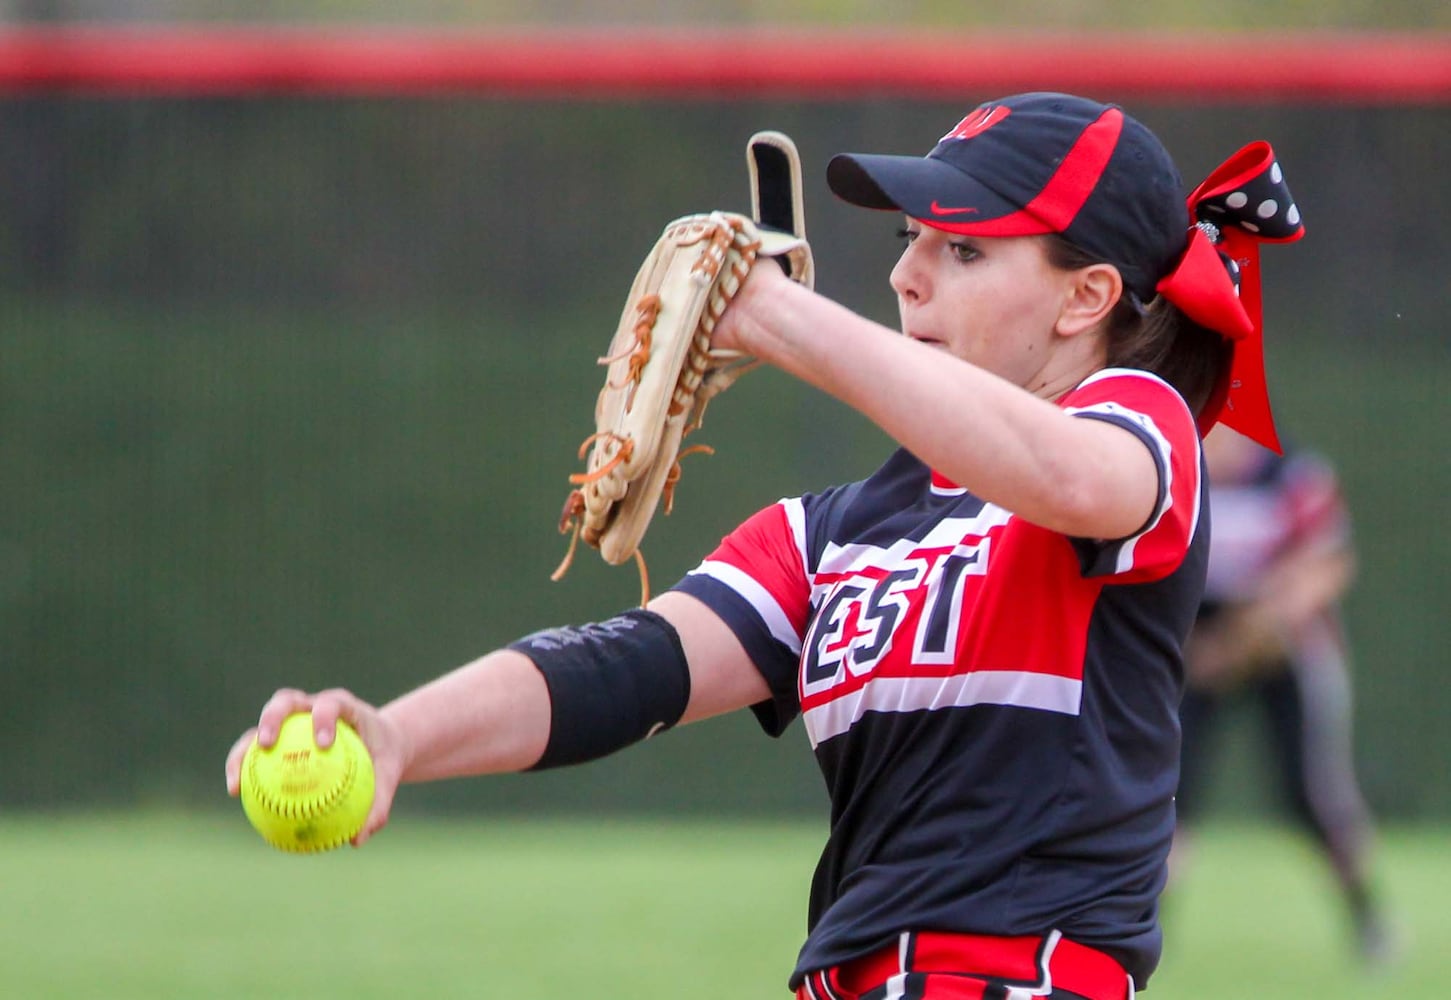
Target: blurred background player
[(1269, 632)]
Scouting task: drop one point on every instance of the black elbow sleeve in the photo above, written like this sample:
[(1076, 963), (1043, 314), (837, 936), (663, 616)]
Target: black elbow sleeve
[(611, 684)]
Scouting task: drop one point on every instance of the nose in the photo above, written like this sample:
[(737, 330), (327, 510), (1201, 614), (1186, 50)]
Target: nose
[(908, 279)]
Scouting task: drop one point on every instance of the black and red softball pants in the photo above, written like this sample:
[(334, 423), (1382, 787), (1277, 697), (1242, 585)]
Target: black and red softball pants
[(939, 966)]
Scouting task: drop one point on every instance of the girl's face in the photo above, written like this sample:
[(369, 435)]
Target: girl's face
[(992, 301)]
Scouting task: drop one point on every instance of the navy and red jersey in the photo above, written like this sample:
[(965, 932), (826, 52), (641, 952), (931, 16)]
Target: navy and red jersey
[(993, 705)]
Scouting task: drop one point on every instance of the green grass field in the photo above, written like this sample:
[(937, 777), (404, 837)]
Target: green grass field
[(184, 906)]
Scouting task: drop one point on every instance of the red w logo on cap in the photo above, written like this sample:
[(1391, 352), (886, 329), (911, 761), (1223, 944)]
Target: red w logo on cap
[(979, 121)]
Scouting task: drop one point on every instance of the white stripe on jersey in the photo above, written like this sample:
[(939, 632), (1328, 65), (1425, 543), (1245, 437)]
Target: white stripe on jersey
[(795, 512), (758, 597), (946, 534), (1020, 688)]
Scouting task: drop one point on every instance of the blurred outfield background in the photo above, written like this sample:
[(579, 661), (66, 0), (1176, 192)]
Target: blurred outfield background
[(185, 906), (291, 378)]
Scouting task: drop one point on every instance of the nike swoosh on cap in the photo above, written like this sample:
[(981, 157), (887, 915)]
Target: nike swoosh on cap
[(945, 210)]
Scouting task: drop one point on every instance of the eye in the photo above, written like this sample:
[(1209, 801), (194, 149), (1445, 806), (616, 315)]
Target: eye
[(907, 235), (963, 251)]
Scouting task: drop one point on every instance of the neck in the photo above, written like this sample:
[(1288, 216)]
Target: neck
[(1075, 360)]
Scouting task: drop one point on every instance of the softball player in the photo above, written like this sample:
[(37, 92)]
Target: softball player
[(982, 638), (1269, 632)]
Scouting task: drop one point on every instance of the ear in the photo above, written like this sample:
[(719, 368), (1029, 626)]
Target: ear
[(1091, 294)]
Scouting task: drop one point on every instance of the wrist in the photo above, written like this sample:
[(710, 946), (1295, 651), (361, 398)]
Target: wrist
[(743, 326), (393, 721)]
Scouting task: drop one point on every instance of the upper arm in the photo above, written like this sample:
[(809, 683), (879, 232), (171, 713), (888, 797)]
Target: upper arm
[(741, 615), (722, 676), (1159, 461), (1115, 483)]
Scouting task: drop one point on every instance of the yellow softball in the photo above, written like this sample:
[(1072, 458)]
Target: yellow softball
[(302, 798)]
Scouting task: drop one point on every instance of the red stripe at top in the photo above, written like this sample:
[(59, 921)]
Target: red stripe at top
[(1359, 67)]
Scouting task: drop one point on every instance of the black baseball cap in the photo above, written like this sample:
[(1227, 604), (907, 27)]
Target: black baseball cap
[(1039, 163)]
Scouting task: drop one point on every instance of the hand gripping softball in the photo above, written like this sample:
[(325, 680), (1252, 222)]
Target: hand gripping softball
[(661, 370), (302, 798)]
